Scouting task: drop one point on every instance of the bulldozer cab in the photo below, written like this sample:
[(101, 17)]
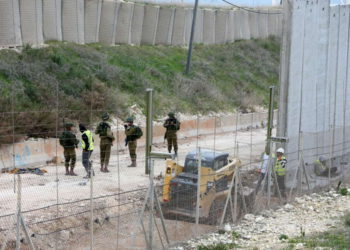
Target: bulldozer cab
[(181, 182)]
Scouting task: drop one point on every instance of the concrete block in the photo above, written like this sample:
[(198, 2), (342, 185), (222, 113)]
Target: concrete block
[(165, 25), (178, 37), (136, 24), (238, 24), (52, 20), (230, 36), (31, 21), (208, 26), (73, 20), (272, 22), (188, 25), (263, 25), (221, 20), (108, 22), (198, 33), (10, 31), (92, 21), (124, 19), (245, 26), (254, 25), (149, 26)]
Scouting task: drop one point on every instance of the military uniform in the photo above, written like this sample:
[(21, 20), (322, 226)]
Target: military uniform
[(172, 125), (69, 142), (106, 142), (321, 169), (133, 133)]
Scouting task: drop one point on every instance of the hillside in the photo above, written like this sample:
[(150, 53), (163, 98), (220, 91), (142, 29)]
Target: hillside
[(97, 77)]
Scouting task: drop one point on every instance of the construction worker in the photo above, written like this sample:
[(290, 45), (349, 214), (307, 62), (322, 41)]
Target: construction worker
[(263, 167), (172, 125), (106, 141), (133, 133), (87, 144), (280, 170), (321, 168), (69, 142)]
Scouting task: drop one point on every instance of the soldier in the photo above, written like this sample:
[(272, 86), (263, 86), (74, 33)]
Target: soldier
[(106, 141), (87, 144), (321, 167), (172, 125), (69, 142), (133, 133)]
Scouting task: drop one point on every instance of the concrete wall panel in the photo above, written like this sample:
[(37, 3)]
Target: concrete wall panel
[(272, 20), (124, 19), (188, 25), (136, 24), (31, 21), (246, 29), (10, 30), (149, 26), (295, 77), (209, 27), (230, 36), (237, 24), (347, 101), (198, 33), (108, 22), (92, 19), (263, 25), (52, 20), (165, 25), (254, 25), (321, 83), (221, 20), (73, 20), (178, 37)]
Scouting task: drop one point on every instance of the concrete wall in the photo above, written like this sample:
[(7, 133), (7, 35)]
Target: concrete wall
[(10, 26), (52, 22), (314, 105), (39, 152), (114, 22)]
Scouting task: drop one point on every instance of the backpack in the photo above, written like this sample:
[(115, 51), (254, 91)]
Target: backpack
[(103, 128), (138, 132)]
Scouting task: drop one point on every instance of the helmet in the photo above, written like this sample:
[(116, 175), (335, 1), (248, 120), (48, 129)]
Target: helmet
[(171, 114), (105, 116), (322, 158), (68, 125), (280, 150), (130, 119)]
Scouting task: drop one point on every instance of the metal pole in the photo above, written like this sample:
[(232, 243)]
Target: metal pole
[(236, 145), (91, 207), (270, 114), (199, 155), (269, 168), (251, 140), (151, 175), (19, 208), (235, 198), (149, 128), (189, 55)]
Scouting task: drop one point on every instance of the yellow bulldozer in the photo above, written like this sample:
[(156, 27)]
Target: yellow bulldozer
[(180, 185)]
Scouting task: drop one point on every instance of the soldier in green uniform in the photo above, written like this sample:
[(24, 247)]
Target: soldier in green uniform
[(106, 141), (172, 125), (133, 133), (321, 167), (69, 142)]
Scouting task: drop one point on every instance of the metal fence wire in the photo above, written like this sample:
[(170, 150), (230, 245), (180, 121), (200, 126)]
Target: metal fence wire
[(41, 207)]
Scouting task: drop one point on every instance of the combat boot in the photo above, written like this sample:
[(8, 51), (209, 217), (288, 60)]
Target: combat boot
[(67, 171), (72, 172), (133, 164)]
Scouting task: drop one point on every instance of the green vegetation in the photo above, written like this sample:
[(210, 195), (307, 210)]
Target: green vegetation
[(334, 240), (220, 246), (97, 77)]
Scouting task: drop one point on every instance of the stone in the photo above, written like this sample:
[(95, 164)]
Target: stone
[(249, 217)]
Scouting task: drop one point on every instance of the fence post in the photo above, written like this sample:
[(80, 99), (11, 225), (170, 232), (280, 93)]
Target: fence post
[(91, 206), (19, 208), (198, 186)]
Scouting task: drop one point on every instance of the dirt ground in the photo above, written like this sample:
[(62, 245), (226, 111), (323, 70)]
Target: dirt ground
[(122, 192)]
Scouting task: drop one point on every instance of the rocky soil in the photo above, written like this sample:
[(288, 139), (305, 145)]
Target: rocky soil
[(309, 214)]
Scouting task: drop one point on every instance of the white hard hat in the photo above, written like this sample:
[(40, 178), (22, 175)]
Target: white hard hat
[(280, 150)]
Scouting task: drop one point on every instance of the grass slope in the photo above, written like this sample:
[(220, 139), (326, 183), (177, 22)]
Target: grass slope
[(97, 77)]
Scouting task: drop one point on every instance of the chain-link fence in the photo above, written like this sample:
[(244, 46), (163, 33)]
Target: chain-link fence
[(125, 208)]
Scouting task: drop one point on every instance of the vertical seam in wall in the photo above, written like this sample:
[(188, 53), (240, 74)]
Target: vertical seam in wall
[(156, 27), (36, 23), (115, 21), (171, 24), (130, 22)]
